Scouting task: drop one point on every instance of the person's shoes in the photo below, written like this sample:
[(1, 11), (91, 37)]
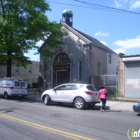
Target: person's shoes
[(101, 110)]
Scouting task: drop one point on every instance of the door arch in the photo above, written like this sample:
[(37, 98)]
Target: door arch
[(61, 69)]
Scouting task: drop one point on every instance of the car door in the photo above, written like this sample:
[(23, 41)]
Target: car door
[(59, 93), (70, 94)]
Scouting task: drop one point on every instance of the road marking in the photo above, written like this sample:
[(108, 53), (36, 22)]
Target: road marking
[(45, 128)]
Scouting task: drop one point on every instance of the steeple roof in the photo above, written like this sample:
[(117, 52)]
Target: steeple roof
[(67, 11)]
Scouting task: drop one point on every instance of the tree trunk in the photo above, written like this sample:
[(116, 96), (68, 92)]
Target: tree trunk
[(9, 63)]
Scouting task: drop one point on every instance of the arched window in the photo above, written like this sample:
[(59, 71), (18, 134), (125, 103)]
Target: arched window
[(61, 58)]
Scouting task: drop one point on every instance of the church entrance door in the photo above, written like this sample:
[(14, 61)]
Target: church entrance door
[(62, 76), (61, 69)]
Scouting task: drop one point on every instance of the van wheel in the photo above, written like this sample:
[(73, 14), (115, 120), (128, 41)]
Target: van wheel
[(21, 97), (79, 103), (6, 95), (46, 100)]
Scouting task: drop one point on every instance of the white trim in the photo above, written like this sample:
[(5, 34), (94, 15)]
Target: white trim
[(126, 59)]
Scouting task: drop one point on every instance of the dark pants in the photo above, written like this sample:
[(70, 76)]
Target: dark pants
[(103, 103)]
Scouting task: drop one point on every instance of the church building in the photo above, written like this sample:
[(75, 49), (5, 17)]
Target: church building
[(80, 59)]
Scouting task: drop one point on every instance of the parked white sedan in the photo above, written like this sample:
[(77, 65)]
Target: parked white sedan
[(77, 94)]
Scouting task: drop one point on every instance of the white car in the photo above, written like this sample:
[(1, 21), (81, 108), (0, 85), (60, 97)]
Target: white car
[(77, 94)]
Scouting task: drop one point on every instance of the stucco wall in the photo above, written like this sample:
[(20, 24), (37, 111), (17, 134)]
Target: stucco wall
[(78, 49), (102, 56), (29, 73)]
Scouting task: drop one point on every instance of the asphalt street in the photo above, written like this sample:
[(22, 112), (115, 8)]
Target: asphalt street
[(30, 119)]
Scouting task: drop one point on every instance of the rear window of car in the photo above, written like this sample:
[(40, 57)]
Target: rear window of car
[(90, 87)]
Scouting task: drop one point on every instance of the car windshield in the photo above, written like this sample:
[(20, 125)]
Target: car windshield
[(90, 87)]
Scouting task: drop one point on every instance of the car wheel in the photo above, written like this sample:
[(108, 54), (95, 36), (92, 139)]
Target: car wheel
[(6, 95), (79, 103), (46, 100)]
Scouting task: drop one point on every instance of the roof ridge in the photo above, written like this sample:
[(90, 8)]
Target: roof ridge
[(100, 44), (75, 32)]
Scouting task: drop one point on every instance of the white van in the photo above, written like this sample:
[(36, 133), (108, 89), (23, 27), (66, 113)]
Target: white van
[(13, 86)]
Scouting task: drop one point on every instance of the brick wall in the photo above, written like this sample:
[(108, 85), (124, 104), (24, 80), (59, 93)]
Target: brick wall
[(121, 77)]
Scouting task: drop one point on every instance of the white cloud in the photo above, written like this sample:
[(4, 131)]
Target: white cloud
[(103, 42), (100, 33), (118, 5), (127, 44), (135, 5), (127, 4), (32, 56), (120, 50)]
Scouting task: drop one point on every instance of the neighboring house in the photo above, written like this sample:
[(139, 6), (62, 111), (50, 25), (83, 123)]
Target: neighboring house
[(30, 73), (79, 60), (129, 76)]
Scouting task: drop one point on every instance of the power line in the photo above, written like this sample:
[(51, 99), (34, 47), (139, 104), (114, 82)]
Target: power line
[(67, 4), (107, 7), (96, 6)]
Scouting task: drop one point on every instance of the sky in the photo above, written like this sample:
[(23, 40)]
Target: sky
[(116, 23)]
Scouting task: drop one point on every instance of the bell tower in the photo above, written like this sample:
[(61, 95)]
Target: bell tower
[(67, 17)]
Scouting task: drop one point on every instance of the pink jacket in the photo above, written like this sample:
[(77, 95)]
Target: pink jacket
[(102, 94)]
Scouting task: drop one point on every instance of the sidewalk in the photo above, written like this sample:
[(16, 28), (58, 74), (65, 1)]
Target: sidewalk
[(126, 99), (120, 106), (116, 104)]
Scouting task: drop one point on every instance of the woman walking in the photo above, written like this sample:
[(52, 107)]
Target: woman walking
[(102, 94)]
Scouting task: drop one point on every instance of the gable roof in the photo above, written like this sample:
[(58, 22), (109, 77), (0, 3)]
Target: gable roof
[(88, 39), (76, 33)]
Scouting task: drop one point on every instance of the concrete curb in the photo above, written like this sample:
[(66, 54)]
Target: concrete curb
[(122, 99)]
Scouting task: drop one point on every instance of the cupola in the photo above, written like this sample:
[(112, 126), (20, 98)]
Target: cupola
[(67, 16)]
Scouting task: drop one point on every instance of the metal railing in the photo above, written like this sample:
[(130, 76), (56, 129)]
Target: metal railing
[(110, 82)]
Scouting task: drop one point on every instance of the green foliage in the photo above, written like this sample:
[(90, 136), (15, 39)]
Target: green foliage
[(22, 24)]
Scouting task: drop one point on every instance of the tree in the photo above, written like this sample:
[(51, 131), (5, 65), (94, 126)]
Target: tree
[(22, 24)]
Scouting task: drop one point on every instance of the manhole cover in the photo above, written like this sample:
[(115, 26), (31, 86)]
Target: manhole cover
[(60, 115)]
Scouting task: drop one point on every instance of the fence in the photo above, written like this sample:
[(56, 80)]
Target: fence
[(110, 82)]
